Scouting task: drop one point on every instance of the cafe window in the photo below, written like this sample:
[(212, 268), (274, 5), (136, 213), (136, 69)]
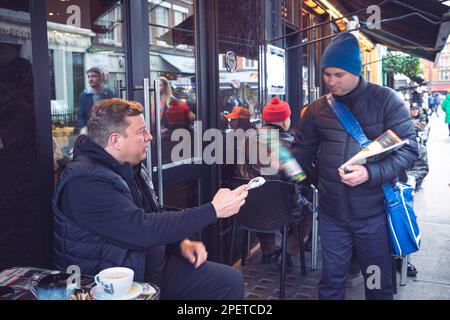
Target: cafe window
[(238, 61), (82, 36), (172, 60), (21, 220)]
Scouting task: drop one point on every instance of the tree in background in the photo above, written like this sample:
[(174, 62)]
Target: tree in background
[(401, 64)]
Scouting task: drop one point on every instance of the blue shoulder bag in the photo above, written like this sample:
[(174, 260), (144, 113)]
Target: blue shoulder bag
[(403, 228)]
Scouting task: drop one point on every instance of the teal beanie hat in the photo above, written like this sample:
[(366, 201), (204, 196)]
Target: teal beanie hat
[(344, 53)]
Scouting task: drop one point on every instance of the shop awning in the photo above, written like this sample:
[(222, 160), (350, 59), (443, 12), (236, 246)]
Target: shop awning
[(183, 64), (416, 35), (440, 87), (159, 64)]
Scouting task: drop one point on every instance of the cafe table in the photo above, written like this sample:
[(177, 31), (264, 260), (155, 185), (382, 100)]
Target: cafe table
[(15, 285)]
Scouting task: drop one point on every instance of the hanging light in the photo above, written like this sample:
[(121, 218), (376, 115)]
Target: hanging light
[(314, 6), (335, 14)]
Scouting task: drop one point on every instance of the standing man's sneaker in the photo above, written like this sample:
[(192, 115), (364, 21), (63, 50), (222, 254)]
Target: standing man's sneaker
[(411, 270)]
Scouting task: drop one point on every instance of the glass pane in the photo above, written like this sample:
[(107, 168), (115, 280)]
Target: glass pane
[(239, 63), (20, 220), (87, 64), (238, 97), (172, 61)]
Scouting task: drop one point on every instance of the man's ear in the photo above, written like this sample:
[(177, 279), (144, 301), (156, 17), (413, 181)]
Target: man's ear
[(287, 123), (114, 140)]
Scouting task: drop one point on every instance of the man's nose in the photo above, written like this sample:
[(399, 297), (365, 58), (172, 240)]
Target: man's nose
[(149, 137), (332, 81)]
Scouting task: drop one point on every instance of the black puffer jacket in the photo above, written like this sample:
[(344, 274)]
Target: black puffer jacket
[(377, 109), (106, 215)]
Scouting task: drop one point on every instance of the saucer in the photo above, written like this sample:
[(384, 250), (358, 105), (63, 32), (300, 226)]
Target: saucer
[(99, 294)]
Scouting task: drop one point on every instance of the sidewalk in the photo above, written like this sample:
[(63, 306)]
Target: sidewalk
[(432, 206)]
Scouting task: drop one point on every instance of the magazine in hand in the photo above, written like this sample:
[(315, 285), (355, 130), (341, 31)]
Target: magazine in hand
[(382, 146)]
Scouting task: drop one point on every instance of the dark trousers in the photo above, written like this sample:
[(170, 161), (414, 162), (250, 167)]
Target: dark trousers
[(449, 128), (371, 242), (211, 281)]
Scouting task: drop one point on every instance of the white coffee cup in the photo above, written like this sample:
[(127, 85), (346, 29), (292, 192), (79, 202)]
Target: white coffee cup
[(115, 281)]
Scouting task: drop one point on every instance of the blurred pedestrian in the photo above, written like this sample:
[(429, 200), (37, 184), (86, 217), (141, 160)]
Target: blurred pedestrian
[(446, 108)]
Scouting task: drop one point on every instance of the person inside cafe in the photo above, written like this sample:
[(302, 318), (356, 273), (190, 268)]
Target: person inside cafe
[(107, 214), (179, 116), (239, 118)]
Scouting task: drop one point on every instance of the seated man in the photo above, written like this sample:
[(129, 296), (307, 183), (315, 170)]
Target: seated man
[(277, 117), (107, 213)]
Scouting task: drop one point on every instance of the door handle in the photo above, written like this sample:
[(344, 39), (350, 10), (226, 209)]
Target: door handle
[(158, 143), (147, 115)]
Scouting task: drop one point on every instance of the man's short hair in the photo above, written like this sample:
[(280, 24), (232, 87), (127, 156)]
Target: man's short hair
[(96, 70), (109, 116)]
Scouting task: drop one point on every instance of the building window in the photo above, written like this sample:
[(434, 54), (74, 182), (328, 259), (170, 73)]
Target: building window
[(445, 76), (111, 27), (162, 19), (179, 17), (444, 61), (250, 64), (222, 63)]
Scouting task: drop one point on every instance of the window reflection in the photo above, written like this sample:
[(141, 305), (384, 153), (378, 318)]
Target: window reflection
[(239, 86), (239, 97), (87, 64), (172, 62)]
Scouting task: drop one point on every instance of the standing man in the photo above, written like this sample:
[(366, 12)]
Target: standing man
[(91, 95), (352, 211), (107, 213)]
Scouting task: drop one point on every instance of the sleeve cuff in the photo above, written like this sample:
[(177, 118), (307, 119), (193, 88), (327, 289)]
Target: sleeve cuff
[(212, 215), (373, 174)]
